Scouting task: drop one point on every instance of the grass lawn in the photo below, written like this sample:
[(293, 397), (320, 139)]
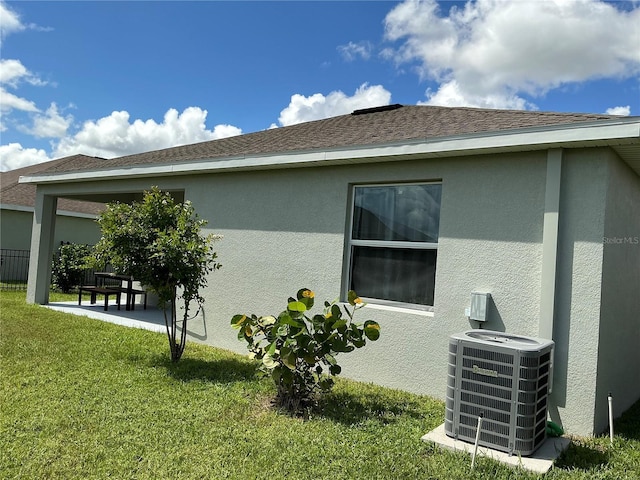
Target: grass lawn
[(86, 399)]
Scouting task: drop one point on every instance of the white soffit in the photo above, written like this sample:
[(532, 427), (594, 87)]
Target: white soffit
[(623, 135)]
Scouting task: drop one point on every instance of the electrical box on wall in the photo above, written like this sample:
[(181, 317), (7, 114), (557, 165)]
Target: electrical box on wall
[(479, 306)]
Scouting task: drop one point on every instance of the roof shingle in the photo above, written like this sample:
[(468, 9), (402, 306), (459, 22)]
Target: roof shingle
[(362, 128), (24, 195)]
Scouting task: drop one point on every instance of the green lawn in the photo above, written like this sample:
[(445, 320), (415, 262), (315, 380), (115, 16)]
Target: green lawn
[(86, 399)]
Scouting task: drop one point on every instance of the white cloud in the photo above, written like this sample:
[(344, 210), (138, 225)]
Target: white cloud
[(624, 111), (15, 156), (352, 51), (317, 106), (12, 73), (490, 52), (115, 135), (9, 101), (9, 21), (450, 94), (51, 124)]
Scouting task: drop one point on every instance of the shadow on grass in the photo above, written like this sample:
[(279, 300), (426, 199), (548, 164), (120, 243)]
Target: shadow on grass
[(628, 425), (225, 370), (594, 453), (349, 409), (582, 457)]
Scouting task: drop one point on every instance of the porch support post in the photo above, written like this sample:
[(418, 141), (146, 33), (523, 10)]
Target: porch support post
[(550, 243), (42, 235)]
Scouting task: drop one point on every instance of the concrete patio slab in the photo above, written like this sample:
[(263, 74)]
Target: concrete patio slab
[(150, 319), (540, 462)]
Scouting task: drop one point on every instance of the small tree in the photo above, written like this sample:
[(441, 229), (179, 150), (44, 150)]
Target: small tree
[(298, 350), (158, 242)]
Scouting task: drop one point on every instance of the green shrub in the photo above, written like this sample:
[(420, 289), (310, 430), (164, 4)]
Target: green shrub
[(68, 266), (299, 351)]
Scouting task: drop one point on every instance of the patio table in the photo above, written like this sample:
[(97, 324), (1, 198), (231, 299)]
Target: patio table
[(128, 290)]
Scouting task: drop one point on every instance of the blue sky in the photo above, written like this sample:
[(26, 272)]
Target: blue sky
[(114, 78)]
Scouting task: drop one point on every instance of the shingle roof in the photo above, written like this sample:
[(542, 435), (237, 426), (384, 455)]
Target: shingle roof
[(24, 195), (390, 124)]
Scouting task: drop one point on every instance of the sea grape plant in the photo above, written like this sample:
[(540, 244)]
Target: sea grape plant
[(298, 350)]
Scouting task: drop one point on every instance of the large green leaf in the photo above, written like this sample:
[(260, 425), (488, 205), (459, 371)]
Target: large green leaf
[(269, 362), (296, 306), (306, 296), (266, 321), (248, 331), (288, 358), (238, 320), (340, 325), (318, 320), (353, 298), (286, 319), (372, 330), (340, 345)]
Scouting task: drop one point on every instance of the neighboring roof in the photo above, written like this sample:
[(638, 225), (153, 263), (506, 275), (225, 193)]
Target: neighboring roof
[(14, 194), (381, 126)]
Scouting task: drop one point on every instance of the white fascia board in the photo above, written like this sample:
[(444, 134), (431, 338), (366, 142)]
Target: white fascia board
[(593, 133)]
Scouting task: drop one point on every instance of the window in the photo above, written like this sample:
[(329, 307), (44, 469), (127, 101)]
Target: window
[(393, 245)]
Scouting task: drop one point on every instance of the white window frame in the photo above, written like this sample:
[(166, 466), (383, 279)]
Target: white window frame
[(350, 242)]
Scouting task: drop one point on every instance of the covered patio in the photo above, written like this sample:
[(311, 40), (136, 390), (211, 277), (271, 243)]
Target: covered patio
[(44, 222), (150, 319)]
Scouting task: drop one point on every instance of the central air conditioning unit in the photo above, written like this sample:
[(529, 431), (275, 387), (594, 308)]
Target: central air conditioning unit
[(506, 379)]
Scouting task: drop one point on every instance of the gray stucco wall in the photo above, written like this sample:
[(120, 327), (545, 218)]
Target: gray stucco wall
[(619, 332), (576, 323), (285, 230), (16, 229), (76, 230)]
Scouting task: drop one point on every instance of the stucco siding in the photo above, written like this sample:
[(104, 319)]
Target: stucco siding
[(582, 204), (16, 229), (76, 230), (284, 230), (619, 332)]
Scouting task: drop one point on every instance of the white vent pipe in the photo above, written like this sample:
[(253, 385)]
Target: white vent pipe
[(475, 448), (610, 399)]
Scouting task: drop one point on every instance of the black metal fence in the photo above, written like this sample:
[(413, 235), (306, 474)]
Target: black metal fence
[(14, 269)]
